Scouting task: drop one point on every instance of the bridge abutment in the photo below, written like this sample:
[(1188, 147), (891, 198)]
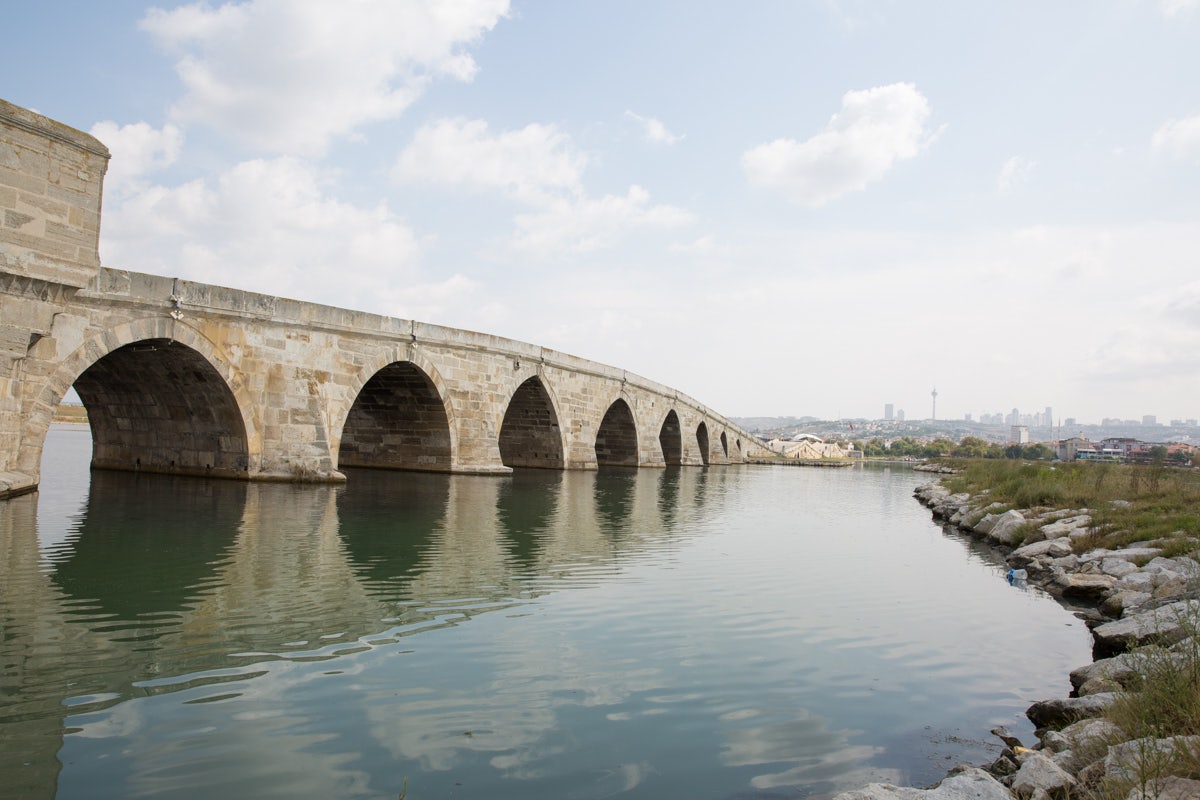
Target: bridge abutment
[(51, 179)]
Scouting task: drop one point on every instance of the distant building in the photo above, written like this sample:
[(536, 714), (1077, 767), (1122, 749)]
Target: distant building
[(1049, 417), (900, 415), (1124, 446), (808, 448), (887, 412), (1019, 434), (1073, 448), (1150, 419)]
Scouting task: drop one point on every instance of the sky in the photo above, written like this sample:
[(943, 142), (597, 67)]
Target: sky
[(781, 207)]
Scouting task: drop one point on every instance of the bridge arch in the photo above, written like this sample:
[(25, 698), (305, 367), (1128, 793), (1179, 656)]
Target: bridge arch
[(161, 397), (398, 417), (670, 439), (531, 432), (702, 442), (725, 444), (617, 437)]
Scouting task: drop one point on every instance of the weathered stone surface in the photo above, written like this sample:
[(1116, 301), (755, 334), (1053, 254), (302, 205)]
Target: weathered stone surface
[(970, 783), (1047, 548), (1122, 601), (1182, 566), (1165, 625), (1118, 669), (1128, 554), (1064, 527), (1039, 772), (1084, 586), (1091, 734), (1001, 527), (1139, 581), (1061, 712), (1117, 567)]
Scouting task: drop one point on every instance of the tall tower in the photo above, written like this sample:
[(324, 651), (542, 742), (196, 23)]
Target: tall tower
[(934, 417)]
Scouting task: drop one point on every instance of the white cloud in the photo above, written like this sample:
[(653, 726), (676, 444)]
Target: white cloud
[(266, 226), (654, 130), (1180, 138), (705, 246), (137, 150), (1172, 7), (875, 129), (531, 164), (1168, 349), (1015, 172), (581, 225), (540, 167), (290, 75)]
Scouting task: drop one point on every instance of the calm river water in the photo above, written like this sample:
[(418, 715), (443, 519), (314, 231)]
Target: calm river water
[(724, 632)]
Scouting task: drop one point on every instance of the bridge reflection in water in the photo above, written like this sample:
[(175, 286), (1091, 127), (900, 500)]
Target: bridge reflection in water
[(166, 584)]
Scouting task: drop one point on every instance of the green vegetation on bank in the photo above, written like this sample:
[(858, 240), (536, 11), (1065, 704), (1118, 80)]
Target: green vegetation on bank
[(1127, 502)]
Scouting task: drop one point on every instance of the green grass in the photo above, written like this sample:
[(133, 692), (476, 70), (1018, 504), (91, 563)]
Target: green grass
[(1164, 502)]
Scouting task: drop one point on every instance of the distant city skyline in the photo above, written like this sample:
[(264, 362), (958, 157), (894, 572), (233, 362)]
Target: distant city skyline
[(1043, 418)]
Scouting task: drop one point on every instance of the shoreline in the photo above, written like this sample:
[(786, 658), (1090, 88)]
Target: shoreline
[(1128, 597)]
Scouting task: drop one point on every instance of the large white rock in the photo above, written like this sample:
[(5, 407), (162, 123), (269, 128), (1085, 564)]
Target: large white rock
[(1181, 566), (1061, 712), (1064, 527), (1005, 526), (969, 783), (1119, 669), (1117, 567), (1049, 548), (1128, 554), (1038, 772), (1167, 624), (1085, 586)]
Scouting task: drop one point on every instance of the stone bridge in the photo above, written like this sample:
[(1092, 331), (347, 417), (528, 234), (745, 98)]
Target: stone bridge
[(187, 378)]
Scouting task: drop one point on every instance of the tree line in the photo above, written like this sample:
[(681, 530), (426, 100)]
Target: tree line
[(968, 447), (974, 447)]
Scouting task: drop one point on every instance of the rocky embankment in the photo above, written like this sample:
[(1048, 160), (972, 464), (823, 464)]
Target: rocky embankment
[(1129, 597)]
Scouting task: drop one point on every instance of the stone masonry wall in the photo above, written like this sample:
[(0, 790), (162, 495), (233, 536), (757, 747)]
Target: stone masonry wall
[(51, 179)]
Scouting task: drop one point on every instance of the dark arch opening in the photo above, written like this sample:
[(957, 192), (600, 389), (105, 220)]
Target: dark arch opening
[(529, 435), (670, 439), (616, 441), (397, 422), (702, 442), (724, 444), (159, 406)]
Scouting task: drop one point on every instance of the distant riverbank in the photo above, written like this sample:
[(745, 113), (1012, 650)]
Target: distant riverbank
[(73, 414)]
